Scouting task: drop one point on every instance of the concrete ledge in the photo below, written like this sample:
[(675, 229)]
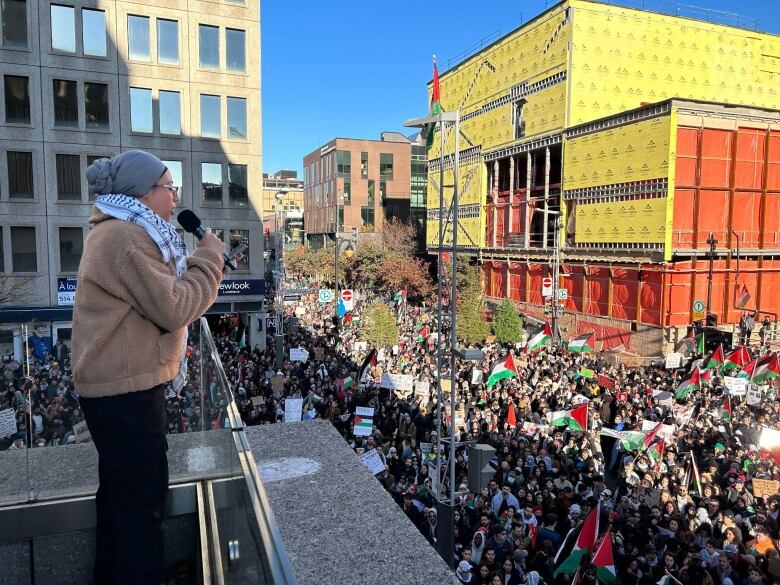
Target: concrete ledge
[(338, 525)]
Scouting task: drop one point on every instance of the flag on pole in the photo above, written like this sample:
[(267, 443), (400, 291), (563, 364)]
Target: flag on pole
[(428, 131), (583, 343), (727, 409), (762, 369), (604, 561), (737, 359), (366, 365), (656, 453), (744, 297), (576, 418), (540, 338), (630, 440), (586, 542), (700, 346), (650, 437), (502, 370), (690, 384), (400, 295), (687, 343), (716, 359), (511, 418)]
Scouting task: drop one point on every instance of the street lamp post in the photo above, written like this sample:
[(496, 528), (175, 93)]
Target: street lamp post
[(279, 278), (556, 268)]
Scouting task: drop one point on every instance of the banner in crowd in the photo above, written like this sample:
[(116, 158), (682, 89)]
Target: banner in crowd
[(763, 488), (674, 361), (476, 376), (402, 382), (81, 432), (298, 354), (293, 408), (422, 390), (7, 422), (373, 461), (753, 395), (666, 432), (364, 422), (736, 386)]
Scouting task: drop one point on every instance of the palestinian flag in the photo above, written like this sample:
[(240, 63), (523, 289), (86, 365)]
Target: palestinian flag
[(423, 335), (688, 385), (762, 369), (716, 360), (511, 418), (630, 440), (726, 414), (400, 295), (366, 366), (700, 343), (363, 423), (583, 343), (540, 338), (737, 359), (586, 542), (576, 418), (687, 344), (605, 562), (656, 453), (428, 131), (668, 580), (348, 382), (744, 297), (502, 370), (650, 437)]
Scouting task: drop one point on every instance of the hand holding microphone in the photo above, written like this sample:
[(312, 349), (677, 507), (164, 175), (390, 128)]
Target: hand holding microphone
[(206, 239)]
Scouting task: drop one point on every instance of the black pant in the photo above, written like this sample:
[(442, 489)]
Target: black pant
[(129, 434)]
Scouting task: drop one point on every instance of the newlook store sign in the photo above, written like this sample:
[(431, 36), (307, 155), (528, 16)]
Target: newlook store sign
[(242, 286)]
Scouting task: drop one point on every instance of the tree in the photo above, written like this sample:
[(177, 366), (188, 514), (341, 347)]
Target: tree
[(409, 273), (398, 237), (471, 325), (507, 324), (378, 325), (12, 289)]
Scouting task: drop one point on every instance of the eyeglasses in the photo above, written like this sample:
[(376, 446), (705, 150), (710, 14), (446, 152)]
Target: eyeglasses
[(174, 191)]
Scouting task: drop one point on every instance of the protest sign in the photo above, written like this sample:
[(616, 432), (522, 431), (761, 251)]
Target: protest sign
[(663, 397), (666, 432), (319, 353), (366, 411), (736, 386), (476, 376), (293, 407), (606, 382), (446, 386), (753, 395), (363, 421), (422, 390), (530, 428), (361, 346), (763, 488), (7, 422), (770, 439), (277, 383), (426, 448), (82, 432), (674, 361), (373, 461), (257, 400), (298, 354), (402, 382)]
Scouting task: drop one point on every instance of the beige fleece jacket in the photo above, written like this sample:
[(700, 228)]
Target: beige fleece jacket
[(131, 311)]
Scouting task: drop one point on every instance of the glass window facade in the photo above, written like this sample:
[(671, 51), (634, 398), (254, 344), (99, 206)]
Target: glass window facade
[(210, 123), (363, 165), (17, 99), (20, 175), (386, 165), (208, 46), (211, 181), (93, 32), (138, 37), (238, 185), (63, 33), (96, 105), (371, 192), (238, 237), (68, 177), (367, 217), (167, 41), (170, 112), (236, 118), (343, 163), (71, 247), (66, 107), (235, 49), (13, 18), (24, 253), (174, 166), (141, 110)]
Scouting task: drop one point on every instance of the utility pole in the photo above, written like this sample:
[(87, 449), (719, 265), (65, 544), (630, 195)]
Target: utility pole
[(279, 278), (711, 255), (556, 270)]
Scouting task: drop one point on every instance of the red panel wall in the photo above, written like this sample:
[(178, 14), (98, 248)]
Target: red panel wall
[(773, 172), (712, 217), (747, 218), (489, 210), (684, 212), (598, 291), (498, 280), (535, 277), (502, 222), (486, 275), (687, 155), (517, 280), (715, 158), (573, 284), (749, 163), (772, 220), (650, 297), (625, 285)]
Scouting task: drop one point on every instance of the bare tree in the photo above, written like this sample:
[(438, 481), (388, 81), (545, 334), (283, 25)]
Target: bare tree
[(12, 288)]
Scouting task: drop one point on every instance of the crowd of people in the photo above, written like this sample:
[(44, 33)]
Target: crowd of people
[(683, 508)]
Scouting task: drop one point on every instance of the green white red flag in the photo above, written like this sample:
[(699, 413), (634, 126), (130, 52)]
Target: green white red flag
[(737, 359), (583, 343), (502, 370), (690, 384), (586, 543), (604, 561), (540, 338), (744, 297), (727, 408), (716, 359), (576, 418), (762, 369)]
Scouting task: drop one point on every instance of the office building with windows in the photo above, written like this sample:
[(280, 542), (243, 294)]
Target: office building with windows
[(83, 80), (352, 184), (287, 183)]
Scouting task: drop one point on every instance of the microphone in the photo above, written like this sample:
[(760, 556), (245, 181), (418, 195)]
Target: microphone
[(192, 225)]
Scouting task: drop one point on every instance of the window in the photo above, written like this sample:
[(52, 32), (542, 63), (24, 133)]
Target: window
[(235, 49), (17, 99), (238, 237), (343, 163), (66, 108), (341, 218), (93, 32), (236, 117), (24, 257), (20, 175), (208, 46), (138, 37), (386, 166), (363, 165), (382, 191), (347, 192), (170, 112), (63, 33), (14, 20), (141, 110), (96, 105), (367, 217), (167, 41), (211, 181), (517, 119), (68, 177), (371, 193), (175, 167), (71, 247), (210, 123), (238, 185)]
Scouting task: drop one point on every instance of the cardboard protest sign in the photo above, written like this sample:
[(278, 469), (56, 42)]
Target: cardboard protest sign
[(257, 400), (674, 361), (402, 382), (606, 382), (372, 461), (319, 353), (7, 422), (82, 432), (298, 354), (293, 408), (763, 488), (422, 390), (753, 395), (736, 386), (446, 386), (476, 376), (277, 383)]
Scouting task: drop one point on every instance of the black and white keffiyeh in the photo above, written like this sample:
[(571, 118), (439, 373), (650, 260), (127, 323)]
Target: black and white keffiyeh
[(162, 232)]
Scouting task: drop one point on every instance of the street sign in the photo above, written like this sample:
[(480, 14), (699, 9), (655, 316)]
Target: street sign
[(698, 310), (547, 287), (326, 295), (292, 297), (270, 324), (563, 294), (346, 295)]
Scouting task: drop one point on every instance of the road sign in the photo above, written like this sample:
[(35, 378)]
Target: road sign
[(346, 295), (292, 297), (547, 287), (326, 295), (698, 310), (563, 294), (270, 324)]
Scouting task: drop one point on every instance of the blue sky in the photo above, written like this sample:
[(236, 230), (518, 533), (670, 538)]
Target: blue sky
[(354, 68)]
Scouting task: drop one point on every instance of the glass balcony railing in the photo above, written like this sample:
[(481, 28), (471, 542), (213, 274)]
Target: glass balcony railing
[(215, 488)]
